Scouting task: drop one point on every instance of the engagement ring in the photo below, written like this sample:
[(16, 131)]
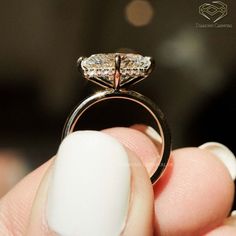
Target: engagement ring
[(115, 72)]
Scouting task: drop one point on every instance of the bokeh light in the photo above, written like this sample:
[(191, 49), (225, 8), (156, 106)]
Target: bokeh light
[(139, 13)]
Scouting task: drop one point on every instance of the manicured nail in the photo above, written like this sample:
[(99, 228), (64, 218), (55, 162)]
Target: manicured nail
[(224, 154), (152, 133), (90, 187), (233, 213)]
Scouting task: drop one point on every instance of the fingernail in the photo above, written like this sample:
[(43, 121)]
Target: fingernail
[(233, 213), (224, 154), (90, 186), (152, 133)]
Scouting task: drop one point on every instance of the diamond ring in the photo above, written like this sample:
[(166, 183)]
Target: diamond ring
[(115, 72)]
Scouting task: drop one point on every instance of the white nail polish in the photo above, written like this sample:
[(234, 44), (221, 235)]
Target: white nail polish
[(152, 133), (233, 213), (90, 187), (224, 154)]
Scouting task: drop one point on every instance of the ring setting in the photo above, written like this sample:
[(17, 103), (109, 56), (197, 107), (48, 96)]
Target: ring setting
[(115, 72)]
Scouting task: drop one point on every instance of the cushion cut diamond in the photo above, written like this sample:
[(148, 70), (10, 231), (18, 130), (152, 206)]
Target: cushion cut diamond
[(102, 67)]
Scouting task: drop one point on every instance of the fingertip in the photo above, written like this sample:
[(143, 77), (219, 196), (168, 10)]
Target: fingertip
[(15, 206), (199, 193), (141, 213), (140, 144), (224, 154), (89, 191)]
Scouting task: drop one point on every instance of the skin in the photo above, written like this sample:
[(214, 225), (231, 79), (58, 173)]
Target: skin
[(193, 197)]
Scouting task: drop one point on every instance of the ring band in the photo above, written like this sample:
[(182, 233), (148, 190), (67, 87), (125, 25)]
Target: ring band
[(114, 72)]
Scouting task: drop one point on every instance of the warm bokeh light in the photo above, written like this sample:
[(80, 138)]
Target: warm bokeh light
[(139, 12)]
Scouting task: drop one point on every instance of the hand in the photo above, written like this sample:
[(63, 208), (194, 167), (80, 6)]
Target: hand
[(98, 186)]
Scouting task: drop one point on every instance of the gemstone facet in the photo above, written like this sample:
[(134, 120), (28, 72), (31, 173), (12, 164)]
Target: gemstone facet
[(101, 68)]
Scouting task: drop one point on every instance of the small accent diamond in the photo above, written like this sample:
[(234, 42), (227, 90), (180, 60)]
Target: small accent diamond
[(100, 68)]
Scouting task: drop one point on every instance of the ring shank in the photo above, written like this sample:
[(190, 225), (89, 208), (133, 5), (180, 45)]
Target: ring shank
[(133, 96)]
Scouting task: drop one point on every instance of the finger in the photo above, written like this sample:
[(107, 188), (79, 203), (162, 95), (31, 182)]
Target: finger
[(12, 169), (196, 188), (135, 140), (227, 229), (194, 195), (94, 187), (18, 199), (15, 206), (151, 133)]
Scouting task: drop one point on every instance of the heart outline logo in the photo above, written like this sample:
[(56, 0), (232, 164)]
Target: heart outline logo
[(209, 10)]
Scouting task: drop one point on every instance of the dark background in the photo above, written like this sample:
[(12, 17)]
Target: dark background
[(40, 41)]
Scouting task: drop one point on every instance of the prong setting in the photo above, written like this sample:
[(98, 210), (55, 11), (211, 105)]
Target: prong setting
[(79, 61), (115, 70)]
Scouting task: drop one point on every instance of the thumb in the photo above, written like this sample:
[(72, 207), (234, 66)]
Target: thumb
[(93, 187)]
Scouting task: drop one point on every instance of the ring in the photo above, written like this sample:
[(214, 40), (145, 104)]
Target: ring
[(115, 72)]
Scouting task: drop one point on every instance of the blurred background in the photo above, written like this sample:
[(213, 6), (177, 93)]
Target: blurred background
[(40, 41)]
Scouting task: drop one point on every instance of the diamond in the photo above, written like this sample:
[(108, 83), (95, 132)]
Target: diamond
[(101, 68)]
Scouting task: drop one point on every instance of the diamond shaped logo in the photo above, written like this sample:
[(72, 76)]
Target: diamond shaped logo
[(213, 11)]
